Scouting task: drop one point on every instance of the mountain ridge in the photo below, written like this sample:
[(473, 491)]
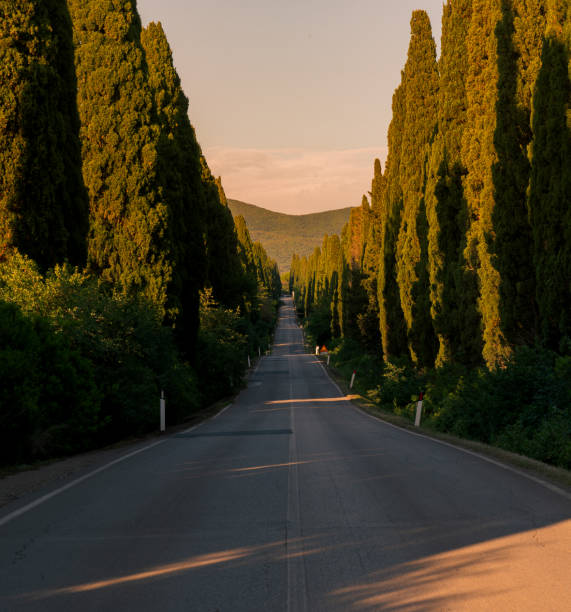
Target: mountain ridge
[(283, 235)]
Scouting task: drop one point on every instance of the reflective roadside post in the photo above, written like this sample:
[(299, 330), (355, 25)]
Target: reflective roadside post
[(162, 408), (418, 410)]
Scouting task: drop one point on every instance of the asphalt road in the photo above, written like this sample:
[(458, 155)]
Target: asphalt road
[(291, 499)]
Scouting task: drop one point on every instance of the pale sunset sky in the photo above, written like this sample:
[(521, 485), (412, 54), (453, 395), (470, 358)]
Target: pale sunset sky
[(291, 100)]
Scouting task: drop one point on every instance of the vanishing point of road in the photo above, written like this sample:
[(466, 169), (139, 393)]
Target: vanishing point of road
[(290, 500)]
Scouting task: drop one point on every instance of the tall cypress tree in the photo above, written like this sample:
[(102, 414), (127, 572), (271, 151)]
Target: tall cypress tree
[(517, 34), (549, 209), (368, 321), (391, 318), (354, 238), (129, 243), (224, 271), (421, 335), (479, 155), (453, 286), (421, 86), (43, 202), (180, 178)]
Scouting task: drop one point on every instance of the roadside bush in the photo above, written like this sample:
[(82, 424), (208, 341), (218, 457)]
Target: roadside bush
[(400, 387), (524, 407), (119, 339), (222, 348), (49, 402), (319, 324)]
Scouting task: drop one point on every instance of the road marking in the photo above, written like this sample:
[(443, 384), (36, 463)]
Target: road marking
[(296, 584), (539, 481), (69, 485), (219, 413), (73, 483), (504, 466)]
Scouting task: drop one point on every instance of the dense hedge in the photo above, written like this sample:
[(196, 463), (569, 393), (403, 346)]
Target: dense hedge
[(81, 366)]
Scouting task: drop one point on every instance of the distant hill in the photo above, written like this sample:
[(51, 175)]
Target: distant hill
[(282, 235)]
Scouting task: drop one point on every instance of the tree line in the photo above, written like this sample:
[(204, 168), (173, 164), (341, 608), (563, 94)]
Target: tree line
[(119, 255), (460, 255)]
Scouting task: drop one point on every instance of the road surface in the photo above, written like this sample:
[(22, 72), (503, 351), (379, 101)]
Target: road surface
[(290, 500)]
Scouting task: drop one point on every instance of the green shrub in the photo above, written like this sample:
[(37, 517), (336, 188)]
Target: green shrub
[(118, 339), (49, 402), (524, 407), (222, 348)]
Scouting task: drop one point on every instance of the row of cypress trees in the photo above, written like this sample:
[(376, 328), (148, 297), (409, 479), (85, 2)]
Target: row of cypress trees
[(100, 166), (464, 252)]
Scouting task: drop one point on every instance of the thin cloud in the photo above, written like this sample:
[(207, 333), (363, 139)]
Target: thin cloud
[(295, 181)]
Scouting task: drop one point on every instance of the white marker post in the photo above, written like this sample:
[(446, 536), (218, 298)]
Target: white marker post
[(352, 379), (418, 410), (249, 362), (317, 350), (259, 352), (328, 358), (162, 405)]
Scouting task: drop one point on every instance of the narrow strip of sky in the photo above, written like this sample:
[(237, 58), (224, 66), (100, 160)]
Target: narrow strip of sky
[(274, 85)]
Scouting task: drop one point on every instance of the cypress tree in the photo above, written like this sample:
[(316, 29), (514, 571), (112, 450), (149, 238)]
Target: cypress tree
[(224, 271), (43, 202), (245, 245), (129, 244), (479, 155), (420, 80), (422, 336), (453, 285), (517, 33), (391, 318), (335, 270), (267, 271), (549, 210), (180, 177), (368, 321)]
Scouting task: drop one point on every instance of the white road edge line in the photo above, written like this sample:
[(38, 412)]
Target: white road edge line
[(539, 481), (69, 485), (73, 483)]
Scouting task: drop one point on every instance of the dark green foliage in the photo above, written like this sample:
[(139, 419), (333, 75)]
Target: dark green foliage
[(550, 186), (456, 318), (49, 403), (129, 242), (180, 174), (320, 283), (511, 238), (319, 324), (524, 407), (394, 332), (222, 347), (368, 320), (421, 335), (43, 203), (224, 271), (130, 356), (479, 156), (453, 284), (391, 317), (420, 83)]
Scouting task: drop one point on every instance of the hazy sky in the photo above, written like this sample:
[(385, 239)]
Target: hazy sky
[(291, 99)]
